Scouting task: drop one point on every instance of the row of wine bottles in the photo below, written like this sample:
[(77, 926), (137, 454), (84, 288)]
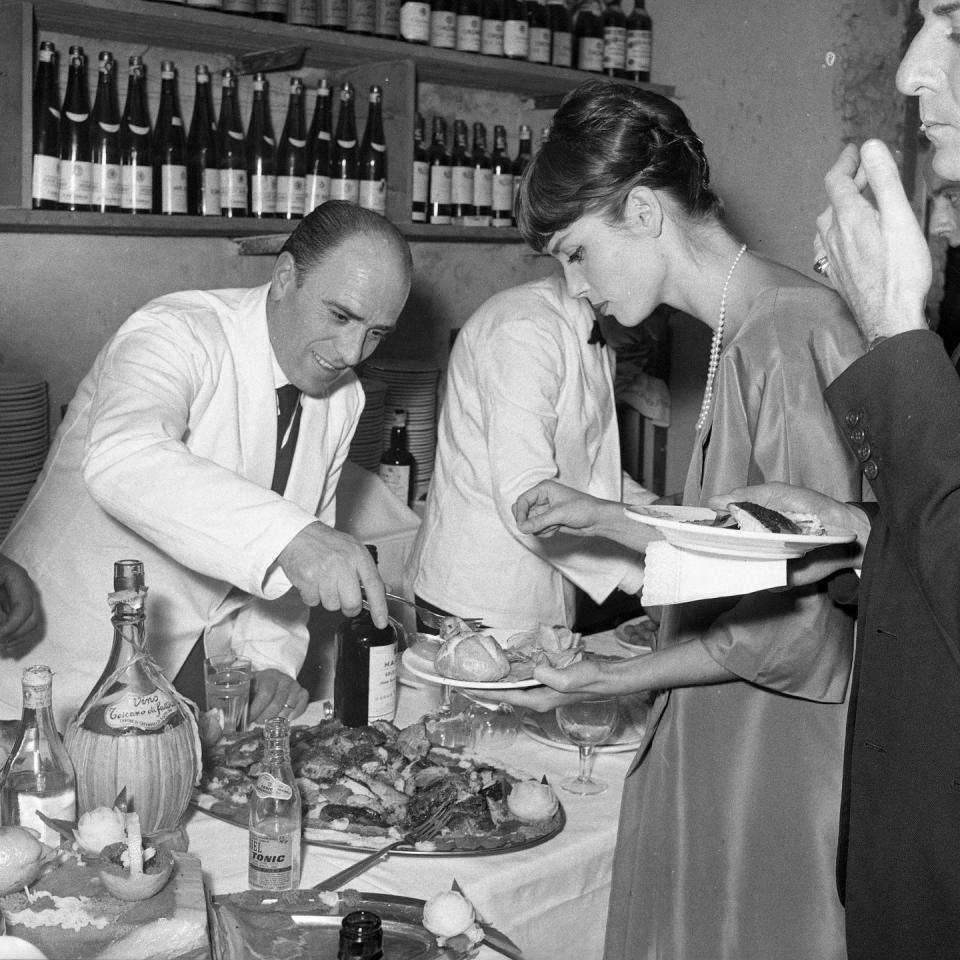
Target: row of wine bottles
[(111, 162), (600, 38), (467, 185)]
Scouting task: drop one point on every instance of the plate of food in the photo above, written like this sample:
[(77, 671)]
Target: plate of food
[(628, 734), (748, 530), (365, 787)]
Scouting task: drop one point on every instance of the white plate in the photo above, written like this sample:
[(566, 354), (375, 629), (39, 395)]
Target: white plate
[(423, 668), (677, 526)]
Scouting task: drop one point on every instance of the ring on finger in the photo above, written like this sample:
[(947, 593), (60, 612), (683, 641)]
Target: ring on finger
[(820, 265)]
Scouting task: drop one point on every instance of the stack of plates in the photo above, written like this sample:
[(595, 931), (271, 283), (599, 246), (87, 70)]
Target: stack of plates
[(24, 438), (367, 444), (411, 386)]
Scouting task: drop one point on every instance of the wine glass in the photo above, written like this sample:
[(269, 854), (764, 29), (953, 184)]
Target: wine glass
[(587, 724)]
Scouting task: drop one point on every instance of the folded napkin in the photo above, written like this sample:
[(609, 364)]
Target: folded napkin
[(674, 574)]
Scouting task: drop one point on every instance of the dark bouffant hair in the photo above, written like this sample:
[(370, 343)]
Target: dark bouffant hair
[(607, 138)]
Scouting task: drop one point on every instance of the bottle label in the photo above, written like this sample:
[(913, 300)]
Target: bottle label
[(491, 38), (77, 117), (108, 127), (591, 54), (468, 34), (346, 144), (263, 195), (302, 13), (515, 39), (318, 191), (373, 195), (396, 477), (415, 21), (144, 712), (387, 18), (361, 15), (639, 48), (233, 189), (61, 806), (76, 183), (538, 40), (614, 48), (562, 52), (107, 185), (502, 192), (421, 181), (382, 688), (441, 184), (270, 787), (139, 131), (291, 192), (270, 864), (46, 177), (344, 190), (333, 13), (482, 188), (443, 29), (210, 201), (136, 189), (461, 191), (173, 188)]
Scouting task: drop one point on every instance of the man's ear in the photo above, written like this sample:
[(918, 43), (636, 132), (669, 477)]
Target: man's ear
[(284, 276), (643, 212)]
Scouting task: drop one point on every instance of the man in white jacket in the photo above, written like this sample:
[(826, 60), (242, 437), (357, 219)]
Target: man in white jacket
[(167, 455)]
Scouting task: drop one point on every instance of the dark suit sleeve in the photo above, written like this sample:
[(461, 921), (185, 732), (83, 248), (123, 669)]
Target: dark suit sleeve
[(899, 409)]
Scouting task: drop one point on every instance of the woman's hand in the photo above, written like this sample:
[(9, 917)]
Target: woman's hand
[(586, 678), (550, 507)]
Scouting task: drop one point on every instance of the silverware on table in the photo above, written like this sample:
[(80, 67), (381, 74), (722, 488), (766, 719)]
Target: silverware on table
[(431, 619)]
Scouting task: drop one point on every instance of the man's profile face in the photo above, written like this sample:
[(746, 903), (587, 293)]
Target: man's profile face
[(944, 202), (345, 306)]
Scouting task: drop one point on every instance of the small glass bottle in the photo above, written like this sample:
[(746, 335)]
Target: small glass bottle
[(38, 776), (46, 130), (397, 465), (361, 936), (274, 852)]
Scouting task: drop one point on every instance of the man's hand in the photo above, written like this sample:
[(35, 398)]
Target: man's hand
[(550, 507), (18, 602), (329, 567), (879, 261), (274, 694)]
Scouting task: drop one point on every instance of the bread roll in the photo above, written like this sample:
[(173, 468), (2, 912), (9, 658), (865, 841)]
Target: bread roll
[(472, 656)]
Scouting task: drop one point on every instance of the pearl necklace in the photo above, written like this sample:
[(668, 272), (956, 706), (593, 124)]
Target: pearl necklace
[(716, 344)]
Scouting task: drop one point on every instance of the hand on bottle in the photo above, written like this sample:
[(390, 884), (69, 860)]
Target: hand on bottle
[(19, 611), (550, 507), (274, 694), (330, 568)]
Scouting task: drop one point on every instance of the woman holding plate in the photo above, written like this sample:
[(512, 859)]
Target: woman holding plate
[(728, 827)]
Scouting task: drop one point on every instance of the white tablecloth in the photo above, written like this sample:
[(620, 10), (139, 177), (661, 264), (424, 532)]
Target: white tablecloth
[(551, 900)]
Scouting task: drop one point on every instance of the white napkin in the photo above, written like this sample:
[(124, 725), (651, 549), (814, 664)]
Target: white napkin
[(674, 574)]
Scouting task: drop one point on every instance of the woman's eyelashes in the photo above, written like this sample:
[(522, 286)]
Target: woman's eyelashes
[(576, 256)]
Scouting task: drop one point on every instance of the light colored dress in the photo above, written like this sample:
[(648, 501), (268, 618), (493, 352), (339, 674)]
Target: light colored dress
[(728, 829)]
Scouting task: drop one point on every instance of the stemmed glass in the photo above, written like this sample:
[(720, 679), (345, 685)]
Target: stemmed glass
[(587, 724)]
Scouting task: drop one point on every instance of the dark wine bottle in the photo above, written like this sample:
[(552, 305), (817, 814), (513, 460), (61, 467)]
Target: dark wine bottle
[(169, 148), (361, 15), (482, 173), (386, 21), (461, 164), (105, 139), (443, 24), (614, 40), (421, 174), (502, 168), (398, 468), (588, 38), (302, 13), (261, 154), (372, 173), (522, 159), (561, 39), (332, 14), (319, 147), (538, 32), (275, 10), (491, 28), (231, 150), (639, 43), (415, 21), (344, 169), (76, 169), (292, 156), (441, 177), (136, 162), (514, 30), (203, 167), (46, 130)]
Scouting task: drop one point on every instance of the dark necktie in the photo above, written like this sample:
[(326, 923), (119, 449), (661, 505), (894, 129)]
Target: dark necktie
[(288, 426), (596, 335)]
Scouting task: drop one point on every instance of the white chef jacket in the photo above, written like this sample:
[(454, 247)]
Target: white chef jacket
[(527, 399), (166, 455)]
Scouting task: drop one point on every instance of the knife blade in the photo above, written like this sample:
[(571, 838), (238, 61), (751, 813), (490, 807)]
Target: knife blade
[(500, 942)]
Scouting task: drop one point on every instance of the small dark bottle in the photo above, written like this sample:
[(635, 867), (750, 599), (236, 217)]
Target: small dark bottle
[(468, 26), (275, 10), (203, 168), (372, 173), (491, 28), (421, 174), (441, 174), (482, 173), (169, 148), (261, 154), (614, 40), (514, 30), (561, 37), (292, 156), (415, 21), (46, 130), (522, 160), (443, 24), (461, 187), (76, 170), (319, 145), (231, 150), (538, 32), (105, 139), (639, 43), (361, 937), (332, 14), (136, 163), (398, 468), (365, 672), (386, 21), (344, 168), (588, 38), (502, 167), (361, 15)]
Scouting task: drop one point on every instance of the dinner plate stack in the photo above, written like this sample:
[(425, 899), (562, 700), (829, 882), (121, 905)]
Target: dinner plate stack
[(411, 386), (367, 444), (24, 437)]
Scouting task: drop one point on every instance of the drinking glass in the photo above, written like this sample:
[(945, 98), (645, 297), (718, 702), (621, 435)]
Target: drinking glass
[(228, 690), (587, 724)]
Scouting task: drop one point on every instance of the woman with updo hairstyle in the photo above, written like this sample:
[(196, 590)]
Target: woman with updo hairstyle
[(728, 833)]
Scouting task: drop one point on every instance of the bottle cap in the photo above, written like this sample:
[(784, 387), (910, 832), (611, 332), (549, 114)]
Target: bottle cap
[(128, 575), (399, 418), (38, 675)]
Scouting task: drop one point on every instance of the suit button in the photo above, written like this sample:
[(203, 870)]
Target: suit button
[(870, 470), (853, 417), (864, 451), (857, 436)]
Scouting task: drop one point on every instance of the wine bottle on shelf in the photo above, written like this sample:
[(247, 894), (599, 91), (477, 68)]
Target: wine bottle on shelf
[(386, 21), (136, 162), (514, 30), (398, 468), (365, 672), (372, 174), (344, 169), (522, 159), (441, 177), (443, 24), (461, 170), (502, 168), (614, 40), (261, 154), (231, 150), (205, 4), (76, 170), (38, 776), (332, 14), (420, 189), (292, 156), (203, 167), (302, 13), (105, 139), (361, 15), (319, 147), (244, 8), (468, 26), (561, 37), (588, 38), (415, 21), (538, 32), (544, 137), (275, 10), (491, 28), (639, 43), (46, 130), (169, 148), (482, 174)]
